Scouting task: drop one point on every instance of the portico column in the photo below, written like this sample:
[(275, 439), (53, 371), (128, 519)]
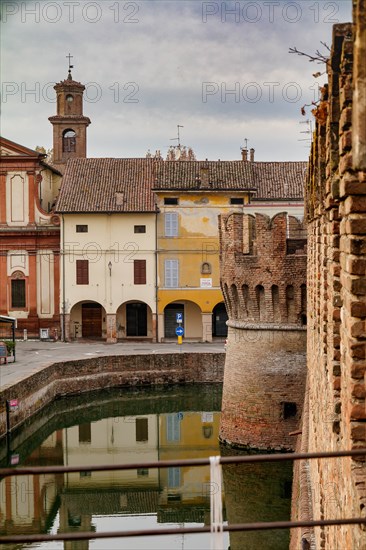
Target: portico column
[(207, 327), (111, 328), (160, 327), (154, 326), (67, 326)]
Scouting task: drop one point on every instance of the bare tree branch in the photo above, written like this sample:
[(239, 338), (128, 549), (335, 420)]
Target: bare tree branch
[(318, 57)]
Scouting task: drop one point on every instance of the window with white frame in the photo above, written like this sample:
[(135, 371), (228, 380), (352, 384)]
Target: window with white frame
[(171, 273), (171, 224)]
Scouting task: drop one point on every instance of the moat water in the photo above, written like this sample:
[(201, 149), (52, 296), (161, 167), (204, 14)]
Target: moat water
[(141, 425)]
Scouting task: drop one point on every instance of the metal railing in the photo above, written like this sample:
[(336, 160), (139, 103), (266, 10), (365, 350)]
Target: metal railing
[(249, 459)]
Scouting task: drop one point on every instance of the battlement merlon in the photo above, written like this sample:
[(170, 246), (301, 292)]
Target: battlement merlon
[(261, 235)]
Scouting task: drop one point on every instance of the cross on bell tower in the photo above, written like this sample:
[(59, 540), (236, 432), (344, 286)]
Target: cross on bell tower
[(69, 124)]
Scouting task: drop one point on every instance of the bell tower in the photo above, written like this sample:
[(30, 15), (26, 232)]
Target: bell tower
[(69, 124)]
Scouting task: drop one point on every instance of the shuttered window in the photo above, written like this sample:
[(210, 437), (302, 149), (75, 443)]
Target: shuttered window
[(171, 273), (82, 272), (139, 272), (171, 224)]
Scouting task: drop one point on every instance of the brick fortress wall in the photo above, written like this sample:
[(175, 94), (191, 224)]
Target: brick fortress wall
[(263, 278), (336, 212)]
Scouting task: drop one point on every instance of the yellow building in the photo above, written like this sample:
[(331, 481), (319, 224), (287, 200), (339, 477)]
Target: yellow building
[(190, 196)]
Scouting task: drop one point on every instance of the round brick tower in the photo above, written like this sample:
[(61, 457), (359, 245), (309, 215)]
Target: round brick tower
[(263, 279)]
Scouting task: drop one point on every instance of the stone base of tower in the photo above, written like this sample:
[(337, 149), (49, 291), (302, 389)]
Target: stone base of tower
[(264, 385)]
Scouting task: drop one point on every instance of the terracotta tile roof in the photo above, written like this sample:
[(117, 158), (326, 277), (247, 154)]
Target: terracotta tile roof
[(107, 185), (270, 180), (279, 180), (194, 175), (126, 185)]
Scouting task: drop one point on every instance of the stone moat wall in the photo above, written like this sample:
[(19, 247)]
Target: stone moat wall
[(72, 377)]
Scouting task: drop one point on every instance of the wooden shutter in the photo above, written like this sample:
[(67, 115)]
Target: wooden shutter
[(139, 272), (171, 273), (171, 224), (82, 272)]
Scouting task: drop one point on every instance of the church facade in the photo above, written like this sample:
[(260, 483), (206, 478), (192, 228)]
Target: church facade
[(30, 241)]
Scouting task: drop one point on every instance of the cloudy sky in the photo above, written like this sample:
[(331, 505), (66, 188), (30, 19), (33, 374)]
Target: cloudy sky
[(220, 69)]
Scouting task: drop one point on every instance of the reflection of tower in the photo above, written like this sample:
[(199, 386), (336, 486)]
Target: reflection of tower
[(263, 275), (257, 493), (72, 520), (69, 124)]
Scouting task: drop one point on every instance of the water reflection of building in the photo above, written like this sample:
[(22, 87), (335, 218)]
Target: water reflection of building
[(172, 495), (185, 493), (175, 495), (29, 504)]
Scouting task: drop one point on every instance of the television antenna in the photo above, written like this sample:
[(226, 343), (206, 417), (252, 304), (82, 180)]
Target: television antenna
[(308, 131), (177, 138)]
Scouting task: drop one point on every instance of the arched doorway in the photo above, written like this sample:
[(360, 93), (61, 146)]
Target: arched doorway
[(91, 320), (87, 320), (170, 318), (136, 319), (191, 316), (219, 318)]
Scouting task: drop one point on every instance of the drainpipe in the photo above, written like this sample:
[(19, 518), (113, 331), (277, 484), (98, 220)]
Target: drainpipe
[(63, 281), (156, 277)]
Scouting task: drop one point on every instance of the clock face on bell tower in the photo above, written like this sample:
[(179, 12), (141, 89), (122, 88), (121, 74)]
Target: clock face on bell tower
[(69, 124)]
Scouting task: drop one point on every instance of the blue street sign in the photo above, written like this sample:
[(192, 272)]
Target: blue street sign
[(179, 331), (179, 318)]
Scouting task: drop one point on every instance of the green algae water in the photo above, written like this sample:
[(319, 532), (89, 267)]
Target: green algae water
[(127, 426)]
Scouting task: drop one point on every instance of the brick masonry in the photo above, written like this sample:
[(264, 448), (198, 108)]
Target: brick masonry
[(71, 377), (263, 278), (336, 215)]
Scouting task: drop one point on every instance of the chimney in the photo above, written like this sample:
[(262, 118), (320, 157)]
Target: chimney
[(244, 154), (204, 174), (252, 151)]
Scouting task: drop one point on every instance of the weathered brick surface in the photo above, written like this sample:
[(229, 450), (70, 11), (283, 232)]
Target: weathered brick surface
[(264, 370), (71, 377), (263, 276), (336, 343)]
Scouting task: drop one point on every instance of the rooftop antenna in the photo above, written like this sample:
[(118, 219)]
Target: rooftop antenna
[(308, 131), (177, 138), (69, 57), (177, 147), (245, 148)]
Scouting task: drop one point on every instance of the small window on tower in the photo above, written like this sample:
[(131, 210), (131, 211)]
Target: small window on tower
[(69, 141), (236, 200), (69, 98)]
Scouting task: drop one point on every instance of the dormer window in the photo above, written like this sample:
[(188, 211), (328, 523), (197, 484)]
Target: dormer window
[(69, 141)]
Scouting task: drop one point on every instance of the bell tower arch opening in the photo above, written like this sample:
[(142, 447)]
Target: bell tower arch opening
[(69, 123)]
